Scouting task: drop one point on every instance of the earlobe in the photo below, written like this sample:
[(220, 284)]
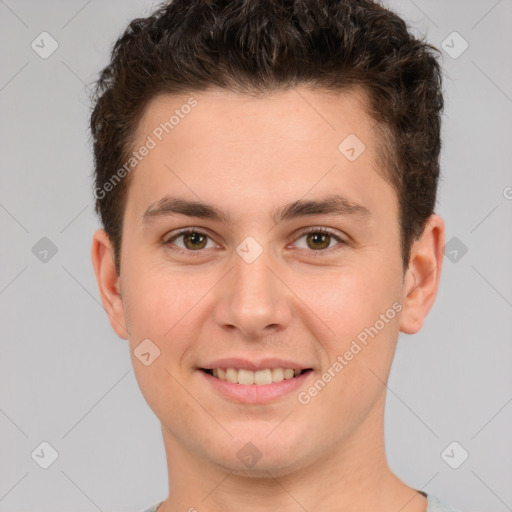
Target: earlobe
[(422, 278), (108, 281)]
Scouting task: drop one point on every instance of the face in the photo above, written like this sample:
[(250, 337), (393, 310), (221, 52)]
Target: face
[(292, 263)]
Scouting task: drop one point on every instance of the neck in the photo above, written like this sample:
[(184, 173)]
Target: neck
[(353, 476)]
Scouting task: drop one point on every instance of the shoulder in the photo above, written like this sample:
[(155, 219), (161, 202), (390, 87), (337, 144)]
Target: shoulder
[(434, 504)]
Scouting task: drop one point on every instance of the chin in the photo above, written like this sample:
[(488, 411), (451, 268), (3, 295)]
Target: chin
[(259, 456), (263, 468)]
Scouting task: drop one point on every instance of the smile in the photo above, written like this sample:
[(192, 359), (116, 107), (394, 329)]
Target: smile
[(247, 377)]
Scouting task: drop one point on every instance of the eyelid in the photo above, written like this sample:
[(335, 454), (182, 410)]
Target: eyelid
[(184, 231)]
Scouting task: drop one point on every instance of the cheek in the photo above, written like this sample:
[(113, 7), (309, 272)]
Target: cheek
[(156, 300), (159, 306), (359, 343), (169, 307), (359, 312), (349, 299)]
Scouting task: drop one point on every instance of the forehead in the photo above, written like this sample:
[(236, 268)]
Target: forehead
[(296, 139), (291, 114)]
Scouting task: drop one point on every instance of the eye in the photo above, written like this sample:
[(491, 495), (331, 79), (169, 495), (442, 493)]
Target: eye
[(193, 240), (319, 239)]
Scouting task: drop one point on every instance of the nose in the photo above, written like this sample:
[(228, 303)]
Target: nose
[(253, 299)]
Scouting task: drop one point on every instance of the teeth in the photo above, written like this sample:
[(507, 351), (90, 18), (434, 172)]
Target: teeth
[(259, 377), (232, 375), (263, 377), (288, 373), (277, 374), (245, 377)]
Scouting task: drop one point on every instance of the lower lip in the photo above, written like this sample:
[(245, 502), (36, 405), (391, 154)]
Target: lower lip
[(255, 393)]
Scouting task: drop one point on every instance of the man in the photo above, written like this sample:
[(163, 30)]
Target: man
[(266, 176)]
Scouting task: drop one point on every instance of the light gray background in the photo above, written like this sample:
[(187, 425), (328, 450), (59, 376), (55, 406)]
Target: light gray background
[(67, 379)]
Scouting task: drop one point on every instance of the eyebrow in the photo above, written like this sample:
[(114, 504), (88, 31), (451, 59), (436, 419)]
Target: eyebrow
[(334, 204)]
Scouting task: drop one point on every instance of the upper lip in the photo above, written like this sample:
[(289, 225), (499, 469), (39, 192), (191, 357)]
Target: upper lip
[(254, 364)]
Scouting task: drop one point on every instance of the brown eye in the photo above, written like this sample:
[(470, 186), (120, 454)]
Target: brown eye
[(318, 240), (193, 241)]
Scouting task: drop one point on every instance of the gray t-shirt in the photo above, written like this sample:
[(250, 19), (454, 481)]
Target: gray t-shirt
[(433, 505)]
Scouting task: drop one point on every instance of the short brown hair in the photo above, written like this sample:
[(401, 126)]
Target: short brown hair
[(258, 46)]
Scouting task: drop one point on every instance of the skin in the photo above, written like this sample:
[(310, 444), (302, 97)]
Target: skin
[(250, 156)]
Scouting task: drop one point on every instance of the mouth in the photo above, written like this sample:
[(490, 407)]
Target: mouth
[(263, 377)]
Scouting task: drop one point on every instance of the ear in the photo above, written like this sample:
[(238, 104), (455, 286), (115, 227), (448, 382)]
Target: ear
[(423, 275), (102, 254)]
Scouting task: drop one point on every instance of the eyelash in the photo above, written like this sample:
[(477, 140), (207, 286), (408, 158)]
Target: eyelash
[(315, 230)]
